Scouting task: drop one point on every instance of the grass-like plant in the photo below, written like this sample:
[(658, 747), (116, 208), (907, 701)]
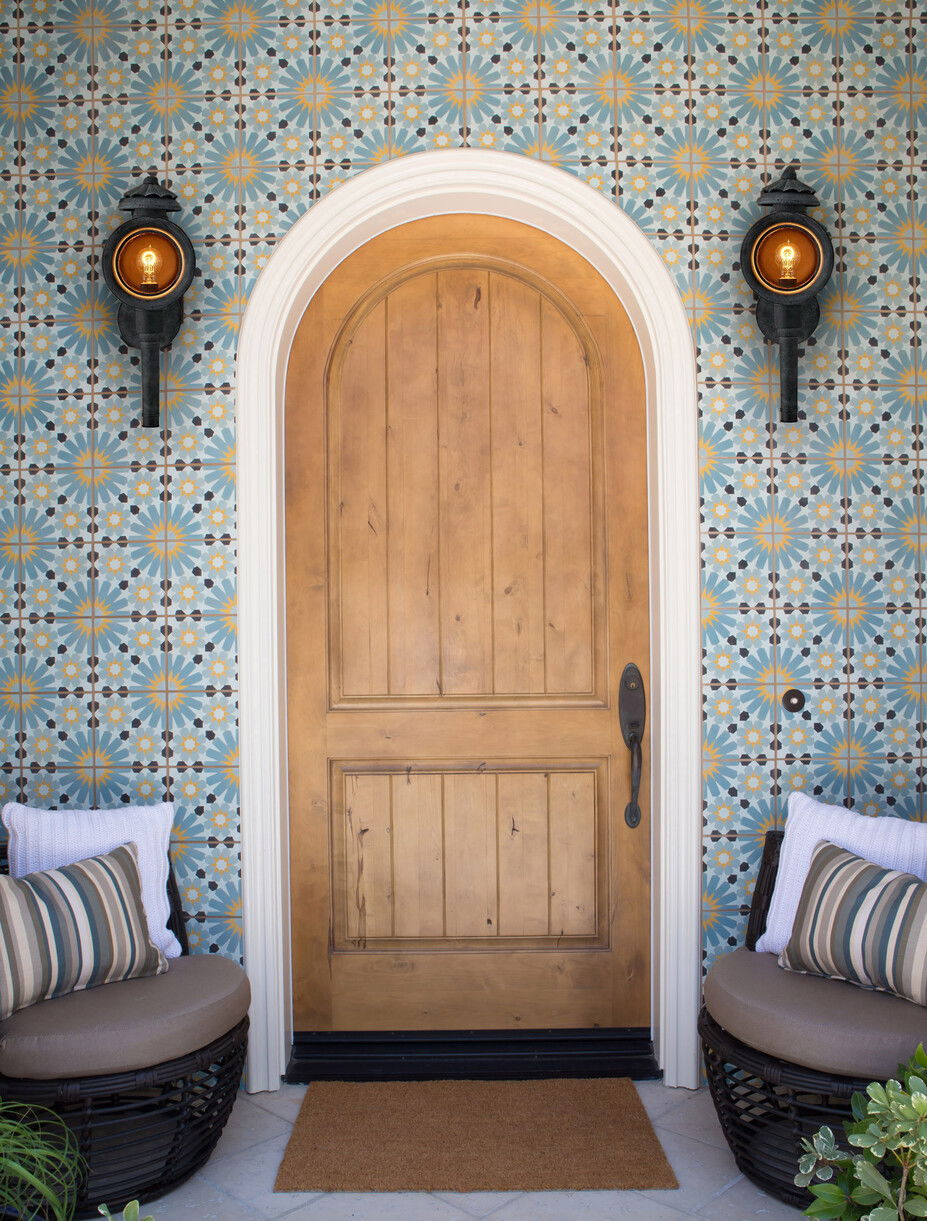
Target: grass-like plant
[(40, 1163), (883, 1176)]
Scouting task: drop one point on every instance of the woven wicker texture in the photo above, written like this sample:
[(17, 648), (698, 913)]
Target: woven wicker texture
[(143, 1133), (765, 1106)]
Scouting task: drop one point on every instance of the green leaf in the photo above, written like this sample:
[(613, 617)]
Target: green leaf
[(916, 1206), (829, 1192), (821, 1208), (130, 1212), (869, 1176)]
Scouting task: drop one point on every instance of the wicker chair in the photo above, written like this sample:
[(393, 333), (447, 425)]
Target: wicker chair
[(142, 1127), (785, 1052)]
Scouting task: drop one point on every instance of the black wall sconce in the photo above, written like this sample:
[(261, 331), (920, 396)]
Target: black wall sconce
[(787, 258), (148, 263)]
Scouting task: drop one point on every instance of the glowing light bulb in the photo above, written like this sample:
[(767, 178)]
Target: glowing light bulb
[(150, 260), (787, 258)]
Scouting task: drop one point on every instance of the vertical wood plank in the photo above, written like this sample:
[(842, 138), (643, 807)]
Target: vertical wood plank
[(465, 481), (518, 493), (569, 577), (358, 438), (418, 855), (572, 854), (367, 879), (523, 854), (470, 855), (412, 471)]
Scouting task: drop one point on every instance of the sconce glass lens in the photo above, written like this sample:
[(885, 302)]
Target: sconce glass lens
[(787, 258), (148, 263)]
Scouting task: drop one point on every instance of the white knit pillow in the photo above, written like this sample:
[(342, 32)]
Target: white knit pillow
[(47, 839), (893, 843)]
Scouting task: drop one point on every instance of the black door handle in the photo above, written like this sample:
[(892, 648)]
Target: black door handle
[(632, 713)]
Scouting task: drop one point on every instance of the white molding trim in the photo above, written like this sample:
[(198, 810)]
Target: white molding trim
[(508, 185)]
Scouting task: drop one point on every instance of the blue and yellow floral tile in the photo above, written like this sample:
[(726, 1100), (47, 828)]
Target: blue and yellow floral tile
[(220, 935), (730, 863), (206, 802)]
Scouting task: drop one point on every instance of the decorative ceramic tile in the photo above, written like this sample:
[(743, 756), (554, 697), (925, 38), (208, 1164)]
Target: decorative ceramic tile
[(729, 867), (723, 929), (677, 114), (207, 805), (216, 936), (207, 877), (140, 786)]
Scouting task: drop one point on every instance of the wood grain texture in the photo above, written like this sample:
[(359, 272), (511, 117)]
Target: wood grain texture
[(466, 417), (466, 577), (479, 859)]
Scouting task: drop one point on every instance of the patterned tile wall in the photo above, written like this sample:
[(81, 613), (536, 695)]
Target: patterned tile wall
[(117, 604)]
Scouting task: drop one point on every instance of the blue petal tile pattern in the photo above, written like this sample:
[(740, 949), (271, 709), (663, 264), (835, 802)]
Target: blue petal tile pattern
[(117, 548)]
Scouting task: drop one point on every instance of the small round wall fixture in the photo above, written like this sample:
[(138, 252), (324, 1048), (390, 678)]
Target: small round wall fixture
[(787, 258), (149, 263)]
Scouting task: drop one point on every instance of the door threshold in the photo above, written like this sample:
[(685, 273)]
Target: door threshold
[(483, 1055)]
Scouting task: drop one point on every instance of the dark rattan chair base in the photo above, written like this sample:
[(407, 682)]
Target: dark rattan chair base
[(767, 1105), (143, 1133)]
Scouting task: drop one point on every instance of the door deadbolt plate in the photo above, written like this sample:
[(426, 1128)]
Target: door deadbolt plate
[(632, 704)]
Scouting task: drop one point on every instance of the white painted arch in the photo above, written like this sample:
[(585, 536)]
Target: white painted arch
[(507, 185)]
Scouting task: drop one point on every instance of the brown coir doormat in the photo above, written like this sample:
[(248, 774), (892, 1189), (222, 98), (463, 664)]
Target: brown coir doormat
[(473, 1136)]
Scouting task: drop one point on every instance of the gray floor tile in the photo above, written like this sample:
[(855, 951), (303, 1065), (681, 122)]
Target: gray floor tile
[(478, 1203), (381, 1206), (237, 1183), (249, 1176), (693, 1116), (198, 1200), (249, 1124), (743, 1202), (284, 1102), (586, 1206), (703, 1171), (658, 1098)]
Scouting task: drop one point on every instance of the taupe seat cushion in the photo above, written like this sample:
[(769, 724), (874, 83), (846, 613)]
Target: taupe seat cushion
[(124, 1026), (825, 1024)]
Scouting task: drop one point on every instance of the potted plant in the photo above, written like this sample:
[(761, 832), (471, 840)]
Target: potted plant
[(882, 1175), (40, 1164)]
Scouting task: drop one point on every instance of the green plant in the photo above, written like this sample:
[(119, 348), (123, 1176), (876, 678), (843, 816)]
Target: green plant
[(129, 1213), (886, 1180), (40, 1163)]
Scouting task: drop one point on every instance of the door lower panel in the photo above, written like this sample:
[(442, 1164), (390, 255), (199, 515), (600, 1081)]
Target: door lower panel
[(473, 1055)]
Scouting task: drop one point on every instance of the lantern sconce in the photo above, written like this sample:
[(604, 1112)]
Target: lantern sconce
[(787, 258), (149, 263)]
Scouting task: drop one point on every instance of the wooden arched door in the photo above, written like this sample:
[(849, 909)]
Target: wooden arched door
[(466, 554)]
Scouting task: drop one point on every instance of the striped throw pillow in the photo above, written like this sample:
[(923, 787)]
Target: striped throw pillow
[(73, 928), (862, 923)]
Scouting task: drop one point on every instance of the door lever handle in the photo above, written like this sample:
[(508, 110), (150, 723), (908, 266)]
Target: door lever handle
[(632, 713)]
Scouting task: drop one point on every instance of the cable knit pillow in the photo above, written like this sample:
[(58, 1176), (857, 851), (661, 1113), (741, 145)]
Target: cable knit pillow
[(73, 928), (48, 839), (894, 843), (862, 923)]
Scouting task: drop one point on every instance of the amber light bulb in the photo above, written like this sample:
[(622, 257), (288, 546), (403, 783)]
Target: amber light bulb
[(788, 259), (151, 265), (148, 262)]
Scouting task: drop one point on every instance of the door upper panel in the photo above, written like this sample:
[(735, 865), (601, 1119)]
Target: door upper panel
[(464, 442)]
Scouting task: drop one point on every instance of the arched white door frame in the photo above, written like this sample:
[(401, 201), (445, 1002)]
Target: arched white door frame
[(507, 185)]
